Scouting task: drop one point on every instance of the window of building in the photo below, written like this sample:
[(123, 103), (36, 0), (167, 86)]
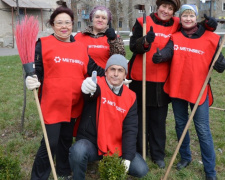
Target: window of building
[(223, 6), (120, 24), (22, 12), (79, 11), (151, 9), (79, 24)]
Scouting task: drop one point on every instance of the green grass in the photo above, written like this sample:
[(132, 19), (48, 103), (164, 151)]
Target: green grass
[(23, 145)]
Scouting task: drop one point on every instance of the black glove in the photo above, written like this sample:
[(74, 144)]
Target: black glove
[(219, 65), (157, 57), (150, 37), (211, 22), (110, 33)]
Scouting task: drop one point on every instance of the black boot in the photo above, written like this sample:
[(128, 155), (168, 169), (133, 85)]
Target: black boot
[(160, 163), (182, 164)]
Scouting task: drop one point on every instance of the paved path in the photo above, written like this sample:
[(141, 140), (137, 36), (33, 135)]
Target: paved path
[(8, 51)]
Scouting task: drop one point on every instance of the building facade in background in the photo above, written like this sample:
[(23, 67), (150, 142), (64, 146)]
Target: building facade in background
[(124, 14)]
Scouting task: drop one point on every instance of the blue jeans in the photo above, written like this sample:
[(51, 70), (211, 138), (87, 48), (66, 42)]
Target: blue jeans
[(83, 151), (201, 122)]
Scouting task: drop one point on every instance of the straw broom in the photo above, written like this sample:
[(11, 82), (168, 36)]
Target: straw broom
[(26, 34)]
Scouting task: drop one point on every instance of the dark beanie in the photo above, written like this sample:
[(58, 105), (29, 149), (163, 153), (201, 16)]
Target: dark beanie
[(175, 3)]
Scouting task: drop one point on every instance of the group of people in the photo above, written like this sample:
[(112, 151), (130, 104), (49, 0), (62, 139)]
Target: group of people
[(109, 113)]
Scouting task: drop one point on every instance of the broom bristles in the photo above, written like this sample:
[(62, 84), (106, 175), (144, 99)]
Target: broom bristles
[(26, 36)]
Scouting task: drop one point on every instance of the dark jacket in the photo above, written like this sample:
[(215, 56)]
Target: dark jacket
[(155, 95), (87, 127)]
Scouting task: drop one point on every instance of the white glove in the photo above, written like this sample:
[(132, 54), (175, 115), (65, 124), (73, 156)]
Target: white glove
[(32, 82), (127, 82), (127, 164), (88, 86)]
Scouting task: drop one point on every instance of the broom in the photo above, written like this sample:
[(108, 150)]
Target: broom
[(26, 34)]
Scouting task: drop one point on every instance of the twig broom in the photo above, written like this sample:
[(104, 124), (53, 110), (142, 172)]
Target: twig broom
[(26, 36)]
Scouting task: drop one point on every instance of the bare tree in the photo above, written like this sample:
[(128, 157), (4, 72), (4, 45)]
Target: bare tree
[(130, 15), (74, 8)]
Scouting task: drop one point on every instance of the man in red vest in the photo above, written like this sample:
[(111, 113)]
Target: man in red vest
[(109, 122)]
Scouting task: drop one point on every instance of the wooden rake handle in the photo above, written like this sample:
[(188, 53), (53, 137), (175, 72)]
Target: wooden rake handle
[(144, 94), (45, 134), (194, 109)]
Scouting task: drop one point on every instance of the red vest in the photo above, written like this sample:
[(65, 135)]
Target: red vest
[(110, 114), (65, 65), (98, 48), (154, 72), (190, 66)]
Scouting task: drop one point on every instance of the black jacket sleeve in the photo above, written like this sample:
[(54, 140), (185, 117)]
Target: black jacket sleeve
[(39, 70), (129, 137), (219, 65), (167, 52), (92, 66), (137, 40)]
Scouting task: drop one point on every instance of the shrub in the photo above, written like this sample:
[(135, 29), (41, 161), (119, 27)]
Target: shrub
[(9, 167), (112, 168)]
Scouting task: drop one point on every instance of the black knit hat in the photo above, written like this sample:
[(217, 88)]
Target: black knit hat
[(175, 3)]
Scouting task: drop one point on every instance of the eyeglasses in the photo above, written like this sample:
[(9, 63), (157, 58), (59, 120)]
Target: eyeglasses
[(61, 23)]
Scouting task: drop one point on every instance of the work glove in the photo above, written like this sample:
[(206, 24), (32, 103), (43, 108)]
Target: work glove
[(110, 33), (127, 82), (126, 164), (219, 65), (211, 22), (32, 82), (157, 57), (150, 37), (88, 86)]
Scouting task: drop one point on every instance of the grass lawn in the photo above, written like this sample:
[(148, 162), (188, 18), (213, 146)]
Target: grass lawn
[(23, 145)]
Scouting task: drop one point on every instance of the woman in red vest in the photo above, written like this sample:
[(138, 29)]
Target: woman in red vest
[(61, 65), (101, 40), (109, 122), (164, 24), (192, 50)]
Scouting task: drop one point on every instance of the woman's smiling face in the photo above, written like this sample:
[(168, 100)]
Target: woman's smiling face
[(165, 11), (62, 25), (188, 19)]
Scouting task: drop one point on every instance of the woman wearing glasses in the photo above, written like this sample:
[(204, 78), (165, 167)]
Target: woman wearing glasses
[(61, 65)]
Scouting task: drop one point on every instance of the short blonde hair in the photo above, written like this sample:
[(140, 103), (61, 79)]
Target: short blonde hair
[(101, 13), (188, 11)]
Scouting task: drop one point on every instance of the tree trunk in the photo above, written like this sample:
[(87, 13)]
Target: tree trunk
[(74, 8)]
